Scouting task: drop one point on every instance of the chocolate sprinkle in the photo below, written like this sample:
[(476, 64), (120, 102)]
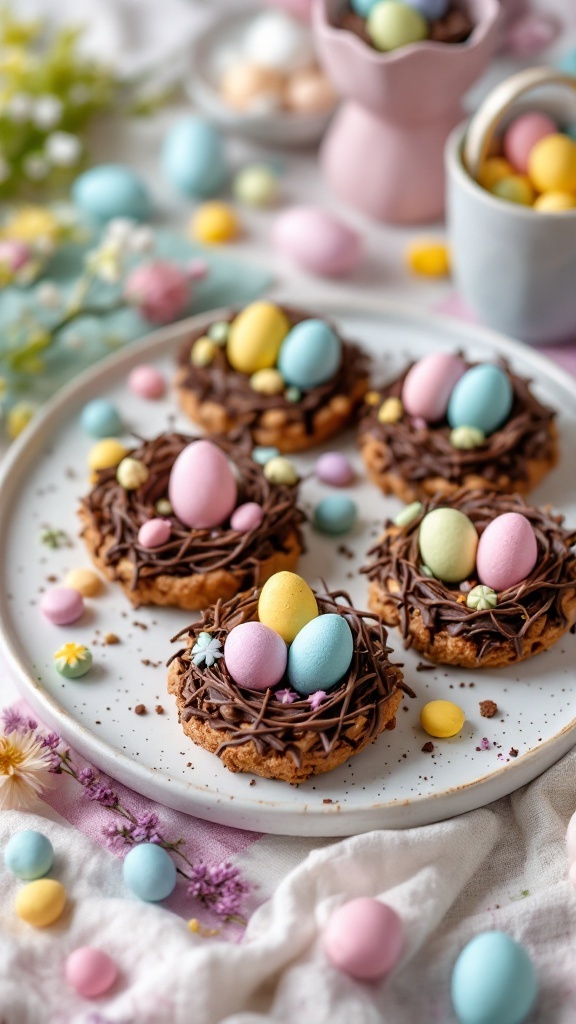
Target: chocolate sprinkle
[(212, 695)]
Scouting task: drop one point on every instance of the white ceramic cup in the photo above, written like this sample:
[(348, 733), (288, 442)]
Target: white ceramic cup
[(514, 266)]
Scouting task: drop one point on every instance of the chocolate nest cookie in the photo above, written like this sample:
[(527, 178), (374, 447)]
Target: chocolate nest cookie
[(276, 733), (434, 617), (193, 568), (413, 459), (220, 398)]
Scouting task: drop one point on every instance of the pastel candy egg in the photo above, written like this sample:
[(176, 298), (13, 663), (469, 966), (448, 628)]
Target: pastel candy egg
[(448, 543), (112, 190), (147, 382), (310, 354), (193, 158), (215, 222), (132, 474), (432, 10), (363, 7), (335, 514), (247, 517), (482, 398), (267, 382), (334, 468), (555, 202), (262, 455), (552, 164), (101, 418), (429, 383), (442, 718), (62, 605), (507, 551), (392, 24), (286, 604), (149, 872), (275, 40), (90, 972), (105, 454), (493, 981), (256, 185), (154, 533), (202, 488), (255, 656), (250, 87), (28, 855), (517, 188), (256, 335), (363, 938), (320, 654), (492, 170), (317, 241), (522, 135), (86, 581), (280, 471), (73, 660), (40, 903)]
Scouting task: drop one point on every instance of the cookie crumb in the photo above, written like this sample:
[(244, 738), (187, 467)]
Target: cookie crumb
[(428, 748), (189, 764), (424, 666), (159, 709), (327, 800), (488, 708), (513, 752), (140, 709), (252, 782), (110, 638)]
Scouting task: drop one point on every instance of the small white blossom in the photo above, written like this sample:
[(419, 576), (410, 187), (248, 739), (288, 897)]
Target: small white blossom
[(49, 295), (119, 231), (141, 239), (46, 112), (63, 149), (105, 262), (19, 107), (36, 167)]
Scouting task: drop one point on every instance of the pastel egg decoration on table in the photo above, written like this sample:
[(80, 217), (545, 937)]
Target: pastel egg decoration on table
[(62, 605), (482, 398), (429, 383), (147, 382), (320, 654), (256, 185), (522, 135), (317, 241), (275, 40), (442, 718), (286, 604), (310, 354), (28, 855), (335, 515), (335, 469), (193, 158), (255, 656), (392, 24), (247, 517), (41, 903), (90, 972), (100, 418), (363, 938), (214, 223), (86, 581), (154, 533), (112, 190), (149, 872), (448, 543), (255, 337), (202, 488), (72, 661), (493, 981), (507, 551)]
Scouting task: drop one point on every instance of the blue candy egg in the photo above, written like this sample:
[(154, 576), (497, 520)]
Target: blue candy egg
[(262, 455), (493, 981), (29, 855), (149, 872), (112, 190), (363, 7), (482, 398), (320, 654), (335, 514), (310, 354), (193, 158), (431, 9), (100, 418)]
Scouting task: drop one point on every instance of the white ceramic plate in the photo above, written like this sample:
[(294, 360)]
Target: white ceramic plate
[(393, 784)]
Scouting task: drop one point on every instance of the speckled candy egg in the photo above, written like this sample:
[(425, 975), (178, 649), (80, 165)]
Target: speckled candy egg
[(363, 938), (255, 656), (448, 543), (149, 872), (507, 551), (320, 654), (311, 354), (202, 488), (317, 241), (112, 190), (193, 158), (429, 383), (286, 604), (482, 398), (275, 40), (493, 981), (90, 972), (256, 335), (28, 855)]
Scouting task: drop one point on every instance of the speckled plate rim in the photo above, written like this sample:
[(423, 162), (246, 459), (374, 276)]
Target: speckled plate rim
[(272, 816)]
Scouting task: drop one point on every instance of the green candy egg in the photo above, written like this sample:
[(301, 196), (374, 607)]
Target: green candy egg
[(448, 543), (392, 24)]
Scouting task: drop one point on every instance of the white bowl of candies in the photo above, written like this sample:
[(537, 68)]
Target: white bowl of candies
[(256, 73)]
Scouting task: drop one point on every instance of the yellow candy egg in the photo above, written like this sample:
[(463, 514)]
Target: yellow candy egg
[(215, 222), (552, 164), (429, 258), (268, 382), (442, 718), (85, 581), (132, 474), (492, 170), (555, 202), (203, 352), (516, 188), (280, 471), (40, 903), (286, 604), (255, 337), (391, 410), (106, 453)]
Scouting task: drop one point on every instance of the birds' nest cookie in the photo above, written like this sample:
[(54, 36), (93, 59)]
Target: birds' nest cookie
[(446, 423), (285, 375), (184, 521), (285, 712), (482, 581)]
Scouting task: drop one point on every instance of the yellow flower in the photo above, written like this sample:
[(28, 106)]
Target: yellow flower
[(18, 418), (24, 771), (13, 60), (70, 654), (30, 223)]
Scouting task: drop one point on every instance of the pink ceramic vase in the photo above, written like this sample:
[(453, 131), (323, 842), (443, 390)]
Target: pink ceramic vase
[(383, 152)]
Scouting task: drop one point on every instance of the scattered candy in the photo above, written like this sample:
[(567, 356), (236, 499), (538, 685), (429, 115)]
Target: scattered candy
[(507, 551), (73, 660), (41, 903), (203, 352), (147, 382), (62, 605), (334, 468), (493, 981), (28, 855), (255, 656), (112, 190), (522, 135), (320, 654), (106, 454), (391, 24), (215, 222), (256, 335), (429, 259), (481, 598), (219, 332), (317, 241), (391, 410), (430, 382), (202, 487), (466, 438), (101, 418), (154, 533), (90, 972), (286, 604), (448, 543), (280, 470), (256, 185), (482, 398), (132, 474), (193, 158), (86, 581), (267, 382), (149, 872), (335, 514), (262, 455), (247, 517), (364, 938), (442, 718), (408, 514)]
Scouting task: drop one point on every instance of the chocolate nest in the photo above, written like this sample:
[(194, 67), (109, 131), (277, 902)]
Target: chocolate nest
[(418, 453), (210, 694), (397, 558), (118, 515)]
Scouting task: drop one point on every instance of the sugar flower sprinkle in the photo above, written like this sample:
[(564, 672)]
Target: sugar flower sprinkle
[(206, 650)]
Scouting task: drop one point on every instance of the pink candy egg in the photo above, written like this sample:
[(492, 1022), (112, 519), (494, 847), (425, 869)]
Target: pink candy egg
[(429, 383), (147, 382), (523, 134), (334, 468), (154, 533), (507, 551), (62, 605), (364, 938), (255, 655), (247, 517), (317, 241), (89, 971), (202, 488)]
